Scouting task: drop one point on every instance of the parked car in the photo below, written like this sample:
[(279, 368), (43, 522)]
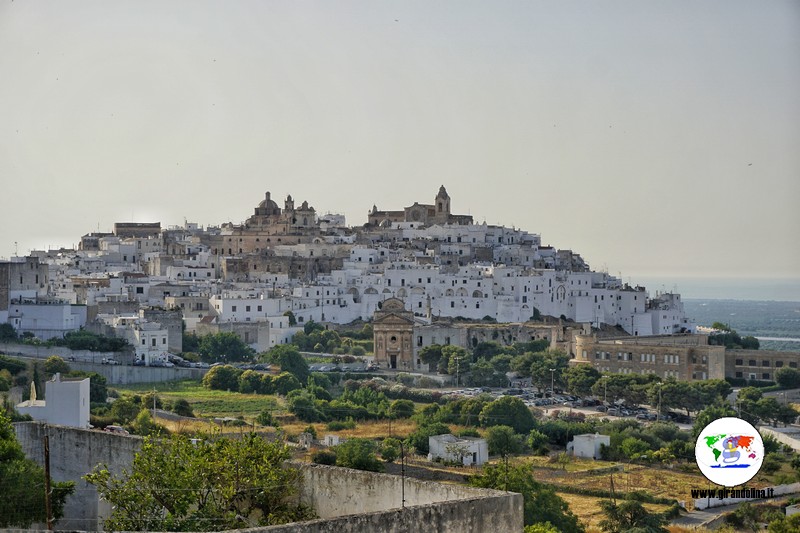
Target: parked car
[(109, 361), (602, 408), (117, 429)]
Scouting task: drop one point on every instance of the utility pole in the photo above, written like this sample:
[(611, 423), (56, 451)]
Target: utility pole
[(552, 381), (402, 476), (47, 504)]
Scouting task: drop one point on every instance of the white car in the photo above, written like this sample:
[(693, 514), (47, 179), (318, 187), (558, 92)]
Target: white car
[(109, 361)]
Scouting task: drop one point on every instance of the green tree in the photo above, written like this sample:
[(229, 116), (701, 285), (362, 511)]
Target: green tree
[(458, 361), (144, 425), (55, 364), (224, 346), (580, 379), (401, 409), (182, 407), (541, 504), (7, 332), (483, 373), (630, 515), (249, 382), (209, 484), (419, 438), (507, 411), (288, 357), (285, 382), (501, 363), (789, 524), (430, 355), (22, 484), (486, 350), (124, 410), (359, 454), (390, 449), (634, 448), (292, 318), (708, 415), (503, 441), (223, 377), (191, 342), (788, 378)]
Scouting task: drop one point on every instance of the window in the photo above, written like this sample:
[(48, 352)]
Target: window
[(393, 338), (139, 290), (792, 365), (751, 362), (765, 363), (233, 308), (163, 340), (739, 362), (765, 375), (247, 308), (778, 364), (738, 374), (153, 343), (452, 304), (259, 308)]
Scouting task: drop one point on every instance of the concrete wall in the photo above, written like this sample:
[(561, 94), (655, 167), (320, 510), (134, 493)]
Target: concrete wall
[(114, 374), (74, 453), (346, 500), (375, 499)]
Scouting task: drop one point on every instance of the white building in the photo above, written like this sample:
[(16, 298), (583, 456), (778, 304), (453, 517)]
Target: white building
[(588, 445), (66, 403), (466, 450)]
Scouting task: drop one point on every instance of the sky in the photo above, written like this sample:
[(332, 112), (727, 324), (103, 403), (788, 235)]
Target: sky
[(660, 140)]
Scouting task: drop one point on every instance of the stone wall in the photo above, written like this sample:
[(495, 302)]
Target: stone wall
[(372, 502), (346, 500), (74, 453), (115, 374)]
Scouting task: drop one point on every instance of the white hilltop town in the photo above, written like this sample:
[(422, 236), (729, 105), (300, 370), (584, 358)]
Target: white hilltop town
[(145, 283)]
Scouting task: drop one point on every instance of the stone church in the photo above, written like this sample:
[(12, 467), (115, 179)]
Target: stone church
[(393, 330), (424, 214)]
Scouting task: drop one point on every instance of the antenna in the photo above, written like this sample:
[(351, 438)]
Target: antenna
[(16, 248)]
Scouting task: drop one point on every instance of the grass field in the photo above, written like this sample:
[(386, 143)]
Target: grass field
[(206, 402)]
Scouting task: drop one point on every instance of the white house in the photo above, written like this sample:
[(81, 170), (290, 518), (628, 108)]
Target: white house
[(66, 404), (466, 450), (588, 445)]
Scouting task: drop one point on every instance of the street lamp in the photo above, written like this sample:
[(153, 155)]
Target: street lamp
[(552, 381)]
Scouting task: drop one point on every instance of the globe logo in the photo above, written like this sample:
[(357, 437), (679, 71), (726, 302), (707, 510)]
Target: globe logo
[(729, 451)]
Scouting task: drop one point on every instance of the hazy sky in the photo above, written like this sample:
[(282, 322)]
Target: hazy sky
[(657, 139)]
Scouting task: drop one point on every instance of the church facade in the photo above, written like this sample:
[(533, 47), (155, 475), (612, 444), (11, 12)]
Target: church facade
[(424, 214), (393, 331)]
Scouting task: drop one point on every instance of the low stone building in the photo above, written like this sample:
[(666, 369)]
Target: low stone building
[(469, 451), (67, 403), (588, 445)]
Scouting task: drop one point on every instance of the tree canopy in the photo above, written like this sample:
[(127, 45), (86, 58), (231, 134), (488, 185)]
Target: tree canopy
[(210, 484), (541, 504), (224, 346)]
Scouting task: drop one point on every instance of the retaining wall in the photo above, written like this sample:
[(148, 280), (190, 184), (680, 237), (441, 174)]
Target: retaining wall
[(346, 500), (73, 453)]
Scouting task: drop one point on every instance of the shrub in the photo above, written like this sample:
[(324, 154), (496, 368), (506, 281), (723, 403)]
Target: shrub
[(338, 425), (324, 457)]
